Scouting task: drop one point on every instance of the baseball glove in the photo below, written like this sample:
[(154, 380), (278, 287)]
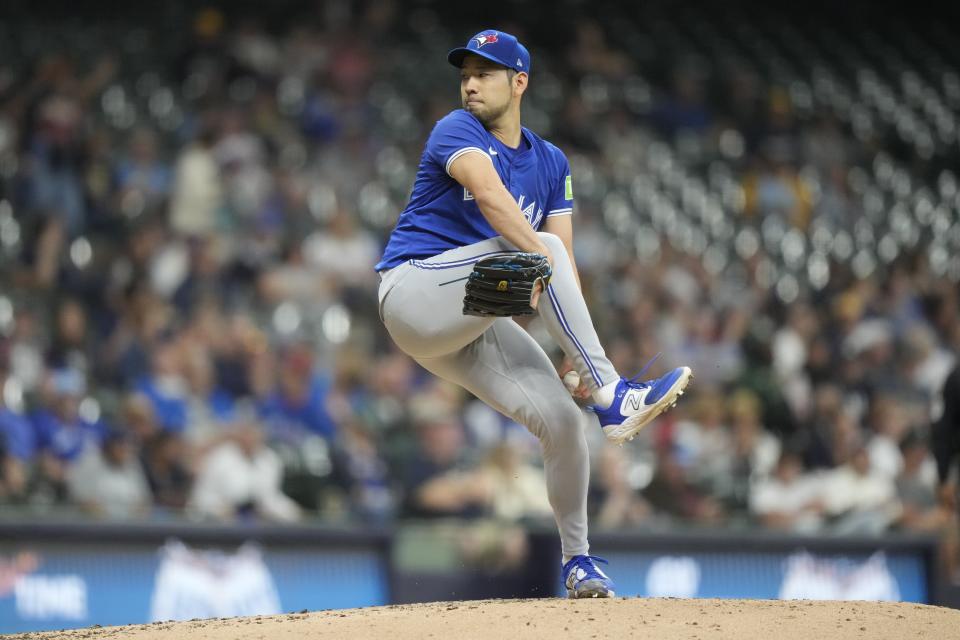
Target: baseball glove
[(504, 285)]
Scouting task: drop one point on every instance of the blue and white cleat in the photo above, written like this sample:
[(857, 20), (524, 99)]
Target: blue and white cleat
[(636, 404), (584, 579)]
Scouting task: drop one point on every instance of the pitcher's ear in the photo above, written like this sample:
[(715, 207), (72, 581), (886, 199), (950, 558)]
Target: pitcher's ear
[(520, 80)]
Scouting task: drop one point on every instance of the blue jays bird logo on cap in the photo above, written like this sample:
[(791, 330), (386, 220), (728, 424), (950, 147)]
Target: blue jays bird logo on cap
[(503, 49), (485, 38)]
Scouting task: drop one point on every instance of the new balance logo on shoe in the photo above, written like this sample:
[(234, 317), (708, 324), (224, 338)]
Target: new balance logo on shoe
[(633, 400)]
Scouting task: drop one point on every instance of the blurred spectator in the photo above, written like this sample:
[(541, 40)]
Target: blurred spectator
[(98, 176), (197, 193), (55, 177), (858, 498), (928, 363), (63, 436), (616, 504), (343, 251), (17, 449), (868, 363), (917, 488), (25, 353), (712, 345), (108, 481), (760, 377), (208, 407), (165, 461), (243, 358), (294, 278), (166, 387), (241, 479), (672, 494), (752, 441), (241, 156), (364, 474), (6, 463), (138, 417), (296, 406), (518, 489), (755, 451), (703, 444), (438, 480), (817, 437), (774, 189), (887, 421), (788, 499), (143, 322), (71, 339), (391, 382), (205, 281), (141, 178), (790, 348)]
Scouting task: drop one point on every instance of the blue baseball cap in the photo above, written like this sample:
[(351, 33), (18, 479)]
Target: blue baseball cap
[(498, 46)]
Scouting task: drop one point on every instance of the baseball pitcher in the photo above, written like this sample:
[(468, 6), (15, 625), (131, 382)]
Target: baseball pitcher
[(487, 235)]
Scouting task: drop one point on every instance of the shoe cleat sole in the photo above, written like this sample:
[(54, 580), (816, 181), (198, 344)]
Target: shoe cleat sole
[(572, 595)]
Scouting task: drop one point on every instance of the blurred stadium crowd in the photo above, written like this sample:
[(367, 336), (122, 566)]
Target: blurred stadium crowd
[(188, 225)]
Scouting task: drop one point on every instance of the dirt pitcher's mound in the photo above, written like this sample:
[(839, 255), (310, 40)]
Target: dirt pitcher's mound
[(620, 618)]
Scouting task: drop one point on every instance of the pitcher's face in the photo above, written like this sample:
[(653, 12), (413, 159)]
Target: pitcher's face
[(486, 89)]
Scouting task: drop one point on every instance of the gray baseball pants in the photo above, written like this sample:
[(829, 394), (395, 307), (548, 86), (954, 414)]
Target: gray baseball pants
[(495, 359)]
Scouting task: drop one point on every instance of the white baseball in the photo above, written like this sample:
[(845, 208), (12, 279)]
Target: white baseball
[(571, 380)]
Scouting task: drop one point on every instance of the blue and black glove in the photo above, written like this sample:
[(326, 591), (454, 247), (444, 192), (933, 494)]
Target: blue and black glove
[(504, 285)]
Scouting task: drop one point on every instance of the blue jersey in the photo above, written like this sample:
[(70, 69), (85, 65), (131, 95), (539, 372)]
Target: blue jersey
[(443, 215)]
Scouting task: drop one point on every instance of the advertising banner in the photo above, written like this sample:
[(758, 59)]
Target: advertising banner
[(770, 575), (45, 587)]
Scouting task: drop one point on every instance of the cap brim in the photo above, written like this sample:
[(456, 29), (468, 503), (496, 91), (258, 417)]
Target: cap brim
[(456, 56)]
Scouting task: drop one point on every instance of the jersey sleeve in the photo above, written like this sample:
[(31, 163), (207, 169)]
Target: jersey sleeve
[(561, 198), (453, 136)]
